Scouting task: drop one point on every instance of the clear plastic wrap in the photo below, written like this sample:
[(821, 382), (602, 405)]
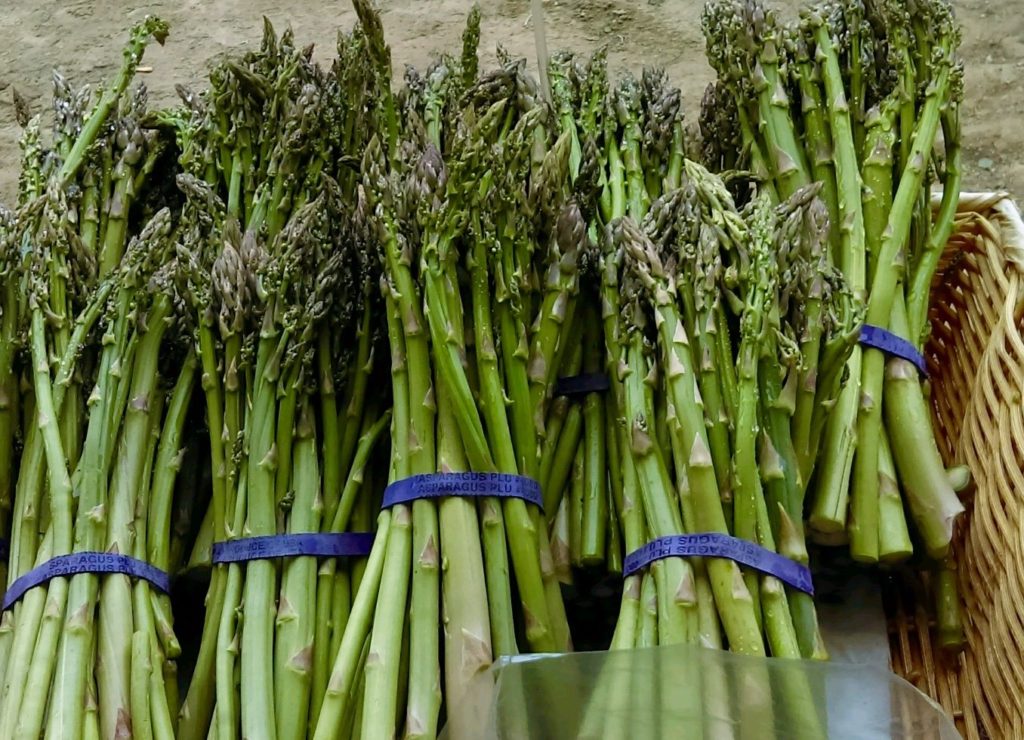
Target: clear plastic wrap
[(682, 692), (642, 694)]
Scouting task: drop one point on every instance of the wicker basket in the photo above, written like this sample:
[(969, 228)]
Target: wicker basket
[(976, 363)]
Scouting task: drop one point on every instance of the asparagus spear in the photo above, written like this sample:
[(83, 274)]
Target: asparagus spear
[(595, 476)]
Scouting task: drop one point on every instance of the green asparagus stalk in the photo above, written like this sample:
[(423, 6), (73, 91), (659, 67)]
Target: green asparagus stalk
[(594, 516), (828, 512)]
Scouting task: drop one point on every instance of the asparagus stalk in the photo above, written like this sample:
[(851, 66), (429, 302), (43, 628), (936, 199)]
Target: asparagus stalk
[(150, 27), (297, 603), (828, 512), (27, 701), (595, 475), (10, 310)]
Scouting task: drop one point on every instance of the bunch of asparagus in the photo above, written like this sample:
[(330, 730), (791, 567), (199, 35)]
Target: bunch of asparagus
[(281, 279), (853, 97), (96, 333), (481, 243), (718, 355), (720, 337)]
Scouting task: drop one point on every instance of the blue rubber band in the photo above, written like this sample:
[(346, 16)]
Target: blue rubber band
[(891, 344), (85, 562), (470, 485), (313, 544), (582, 385), (717, 545)]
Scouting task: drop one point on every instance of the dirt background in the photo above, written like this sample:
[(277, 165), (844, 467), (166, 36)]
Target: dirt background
[(83, 38)]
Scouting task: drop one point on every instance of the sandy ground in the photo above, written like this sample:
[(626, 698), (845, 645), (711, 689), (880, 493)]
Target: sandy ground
[(83, 38)]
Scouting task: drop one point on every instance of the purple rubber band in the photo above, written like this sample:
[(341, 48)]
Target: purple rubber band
[(885, 340), (582, 385), (315, 544), (471, 485), (86, 562), (717, 545)]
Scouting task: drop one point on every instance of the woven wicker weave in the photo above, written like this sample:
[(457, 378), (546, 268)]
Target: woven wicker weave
[(976, 364)]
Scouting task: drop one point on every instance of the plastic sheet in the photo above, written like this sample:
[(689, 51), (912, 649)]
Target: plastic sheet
[(683, 692), (850, 614), (651, 693)]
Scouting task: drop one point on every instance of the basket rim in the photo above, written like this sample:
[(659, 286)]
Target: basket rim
[(1001, 204)]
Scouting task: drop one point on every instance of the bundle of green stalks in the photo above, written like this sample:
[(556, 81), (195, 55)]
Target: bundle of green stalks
[(668, 226), (281, 278), (706, 306), (97, 340), (863, 98), (482, 244)]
